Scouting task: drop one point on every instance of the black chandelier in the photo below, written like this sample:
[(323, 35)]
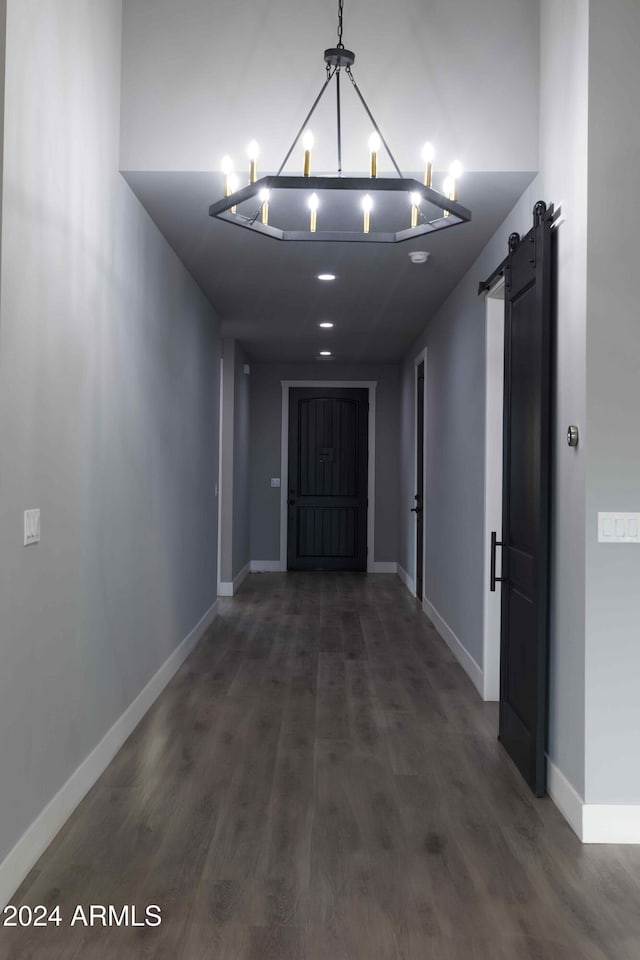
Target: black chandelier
[(428, 210)]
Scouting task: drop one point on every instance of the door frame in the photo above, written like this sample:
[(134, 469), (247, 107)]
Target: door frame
[(421, 358), (493, 450), (369, 385)]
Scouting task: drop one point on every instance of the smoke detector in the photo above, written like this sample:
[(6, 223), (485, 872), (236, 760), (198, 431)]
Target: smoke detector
[(419, 256)]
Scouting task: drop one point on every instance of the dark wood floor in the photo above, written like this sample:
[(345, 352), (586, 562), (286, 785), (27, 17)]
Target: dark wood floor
[(322, 782)]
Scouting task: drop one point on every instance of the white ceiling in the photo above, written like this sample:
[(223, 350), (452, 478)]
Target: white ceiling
[(202, 77)]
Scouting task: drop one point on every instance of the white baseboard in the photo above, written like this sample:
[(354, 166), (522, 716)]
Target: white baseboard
[(227, 589), (462, 655), (384, 566), (274, 566), (565, 796), (610, 823), (27, 851), (406, 579), (593, 822)]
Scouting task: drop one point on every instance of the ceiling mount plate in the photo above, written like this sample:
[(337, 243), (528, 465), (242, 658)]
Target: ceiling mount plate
[(339, 57)]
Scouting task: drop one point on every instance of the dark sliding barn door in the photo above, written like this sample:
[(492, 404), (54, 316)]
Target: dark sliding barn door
[(419, 497), (526, 500), (328, 477)]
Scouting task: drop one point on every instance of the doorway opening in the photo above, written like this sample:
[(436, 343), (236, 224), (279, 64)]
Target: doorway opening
[(219, 483), (493, 445)]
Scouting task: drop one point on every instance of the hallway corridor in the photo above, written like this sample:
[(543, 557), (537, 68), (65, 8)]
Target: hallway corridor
[(321, 781)]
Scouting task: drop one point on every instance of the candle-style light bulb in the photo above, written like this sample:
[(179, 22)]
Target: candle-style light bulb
[(374, 147), (307, 146), (314, 203), (455, 172), (226, 165), (447, 188), (253, 152), (367, 206), (264, 199), (428, 154), (415, 203), (233, 184)]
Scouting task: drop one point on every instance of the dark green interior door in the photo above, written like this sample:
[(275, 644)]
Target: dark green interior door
[(328, 477)]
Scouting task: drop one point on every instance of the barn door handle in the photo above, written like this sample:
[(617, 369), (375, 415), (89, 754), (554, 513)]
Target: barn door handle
[(495, 543)]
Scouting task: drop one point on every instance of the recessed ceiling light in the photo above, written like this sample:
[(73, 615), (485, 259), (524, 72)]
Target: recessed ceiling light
[(325, 353), (326, 276), (326, 325)]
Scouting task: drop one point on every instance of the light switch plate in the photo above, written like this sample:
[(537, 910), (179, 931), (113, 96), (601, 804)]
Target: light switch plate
[(619, 528), (31, 527), (275, 481)]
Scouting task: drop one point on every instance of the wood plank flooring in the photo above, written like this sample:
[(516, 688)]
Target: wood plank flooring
[(321, 781)]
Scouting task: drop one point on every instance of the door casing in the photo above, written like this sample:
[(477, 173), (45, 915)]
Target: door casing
[(421, 358), (494, 407)]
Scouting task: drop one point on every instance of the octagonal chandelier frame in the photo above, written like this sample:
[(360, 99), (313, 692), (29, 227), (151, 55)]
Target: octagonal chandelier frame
[(336, 60)]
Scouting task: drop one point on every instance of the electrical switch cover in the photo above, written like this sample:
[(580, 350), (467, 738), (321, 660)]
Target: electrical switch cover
[(31, 527), (619, 528)]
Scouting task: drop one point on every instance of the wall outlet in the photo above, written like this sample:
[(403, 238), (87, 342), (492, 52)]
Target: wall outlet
[(31, 527), (246, 369), (275, 481)]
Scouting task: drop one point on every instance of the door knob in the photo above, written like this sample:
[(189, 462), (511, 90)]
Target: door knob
[(416, 509)]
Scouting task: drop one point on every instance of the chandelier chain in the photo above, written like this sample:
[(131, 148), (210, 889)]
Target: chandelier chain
[(340, 15)]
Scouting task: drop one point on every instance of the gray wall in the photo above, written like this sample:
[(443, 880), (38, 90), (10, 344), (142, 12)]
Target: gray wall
[(108, 414), (454, 479), (3, 51), (456, 394), (186, 103), (266, 431), (613, 406), (563, 180)]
